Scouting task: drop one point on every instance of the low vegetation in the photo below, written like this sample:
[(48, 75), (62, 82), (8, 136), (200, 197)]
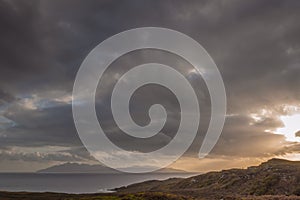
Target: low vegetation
[(57, 196), (275, 177)]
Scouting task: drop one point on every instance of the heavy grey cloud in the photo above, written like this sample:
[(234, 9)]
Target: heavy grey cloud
[(42, 44)]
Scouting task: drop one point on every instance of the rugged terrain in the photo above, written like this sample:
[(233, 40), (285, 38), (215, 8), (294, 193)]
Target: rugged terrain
[(274, 179)]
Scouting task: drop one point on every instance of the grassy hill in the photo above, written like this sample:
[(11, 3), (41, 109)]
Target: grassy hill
[(274, 177)]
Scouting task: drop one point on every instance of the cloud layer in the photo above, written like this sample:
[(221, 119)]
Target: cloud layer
[(255, 44)]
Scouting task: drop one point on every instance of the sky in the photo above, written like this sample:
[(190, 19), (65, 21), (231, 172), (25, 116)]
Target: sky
[(255, 44)]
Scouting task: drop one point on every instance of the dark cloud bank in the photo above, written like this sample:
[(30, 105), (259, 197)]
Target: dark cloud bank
[(255, 44)]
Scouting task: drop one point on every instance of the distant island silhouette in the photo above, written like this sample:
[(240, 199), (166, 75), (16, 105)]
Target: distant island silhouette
[(86, 168)]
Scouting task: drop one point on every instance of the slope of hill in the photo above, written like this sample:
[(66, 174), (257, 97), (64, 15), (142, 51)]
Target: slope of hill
[(274, 177)]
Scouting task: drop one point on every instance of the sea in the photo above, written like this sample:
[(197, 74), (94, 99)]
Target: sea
[(76, 183)]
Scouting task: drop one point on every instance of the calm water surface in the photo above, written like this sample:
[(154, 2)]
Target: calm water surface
[(74, 183)]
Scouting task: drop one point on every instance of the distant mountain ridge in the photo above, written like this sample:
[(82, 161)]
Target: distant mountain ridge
[(86, 168), (274, 177), (77, 168)]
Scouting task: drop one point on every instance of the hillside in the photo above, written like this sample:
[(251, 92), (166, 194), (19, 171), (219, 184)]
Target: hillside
[(274, 177)]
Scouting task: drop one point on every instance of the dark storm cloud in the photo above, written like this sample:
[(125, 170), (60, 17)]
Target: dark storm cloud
[(251, 40), (24, 59), (42, 44), (52, 126)]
